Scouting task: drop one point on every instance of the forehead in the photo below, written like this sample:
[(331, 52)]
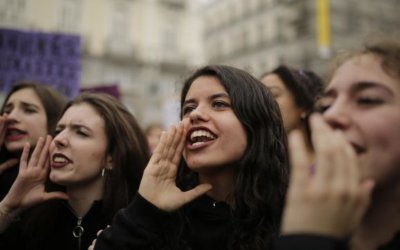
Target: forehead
[(84, 114), (273, 80), (205, 86), (27, 95), (363, 68)]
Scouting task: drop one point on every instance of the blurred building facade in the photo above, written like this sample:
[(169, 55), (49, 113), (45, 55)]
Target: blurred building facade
[(145, 46), (257, 35)]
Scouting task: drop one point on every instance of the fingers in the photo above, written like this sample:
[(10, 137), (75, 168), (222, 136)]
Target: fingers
[(170, 143), (298, 159), (25, 156), (196, 192), (40, 153), (36, 152), (180, 143), (91, 247), (324, 146), (55, 195), (8, 164), (364, 197), (159, 149), (44, 153)]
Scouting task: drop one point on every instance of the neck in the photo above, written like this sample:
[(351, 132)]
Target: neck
[(379, 225), (81, 197), (222, 183)]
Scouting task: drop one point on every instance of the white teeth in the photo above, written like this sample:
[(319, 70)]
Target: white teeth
[(201, 133), (59, 159)]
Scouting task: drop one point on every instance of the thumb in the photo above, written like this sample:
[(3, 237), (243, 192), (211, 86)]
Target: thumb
[(55, 195), (196, 192), (365, 197), (8, 164)]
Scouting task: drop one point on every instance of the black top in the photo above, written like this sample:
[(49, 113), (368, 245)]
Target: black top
[(45, 233), (315, 242), (201, 225), (7, 178)]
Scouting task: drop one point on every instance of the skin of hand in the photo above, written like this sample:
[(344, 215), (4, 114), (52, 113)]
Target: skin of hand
[(91, 247), (330, 199), (28, 189), (158, 183), (3, 128)]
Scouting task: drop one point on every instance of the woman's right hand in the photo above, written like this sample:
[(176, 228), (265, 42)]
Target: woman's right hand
[(28, 188), (330, 198), (158, 183)]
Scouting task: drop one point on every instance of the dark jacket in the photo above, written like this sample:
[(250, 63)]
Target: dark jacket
[(314, 242), (201, 225), (50, 226)]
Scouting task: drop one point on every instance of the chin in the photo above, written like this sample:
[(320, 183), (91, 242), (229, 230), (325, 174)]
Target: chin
[(56, 179)]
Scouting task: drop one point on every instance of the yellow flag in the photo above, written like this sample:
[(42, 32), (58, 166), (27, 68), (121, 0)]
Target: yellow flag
[(323, 28)]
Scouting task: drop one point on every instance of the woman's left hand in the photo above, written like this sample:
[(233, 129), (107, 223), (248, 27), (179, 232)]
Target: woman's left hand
[(331, 198), (29, 187)]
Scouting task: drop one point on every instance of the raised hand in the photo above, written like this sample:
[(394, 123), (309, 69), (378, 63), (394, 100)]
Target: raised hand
[(28, 189), (158, 183), (330, 198)]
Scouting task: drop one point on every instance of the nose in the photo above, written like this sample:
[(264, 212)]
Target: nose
[(60, 140), (199, 114), (338, 115), (13, 116)]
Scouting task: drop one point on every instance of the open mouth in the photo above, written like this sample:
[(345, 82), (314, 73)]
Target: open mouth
[(200, 136), (13, 134), (59, 160)]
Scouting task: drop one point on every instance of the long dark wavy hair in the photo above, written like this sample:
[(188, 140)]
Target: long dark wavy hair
[(261, 174)]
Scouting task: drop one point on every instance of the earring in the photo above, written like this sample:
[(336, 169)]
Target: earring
[(103, 171)]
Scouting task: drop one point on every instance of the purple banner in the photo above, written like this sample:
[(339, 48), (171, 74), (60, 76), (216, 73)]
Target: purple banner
[(49, 58), (112, 89)]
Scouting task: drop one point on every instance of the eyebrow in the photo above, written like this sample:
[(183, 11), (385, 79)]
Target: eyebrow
[(359, 86), (214, 96), (368, 85), (74, 126), (25, 104)]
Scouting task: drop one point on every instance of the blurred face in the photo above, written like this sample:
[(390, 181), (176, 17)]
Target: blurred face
[(364, 102), (291, 113), (215, 138), (27, 119), (78, 151)]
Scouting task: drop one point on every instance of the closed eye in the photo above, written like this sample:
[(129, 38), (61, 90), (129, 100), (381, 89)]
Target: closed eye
[(30, 110), (369, 101), (81, 133), (322, 108)]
